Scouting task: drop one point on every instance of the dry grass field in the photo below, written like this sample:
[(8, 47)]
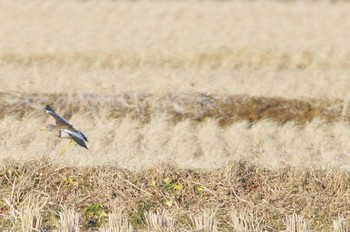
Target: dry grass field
[(201, 115)]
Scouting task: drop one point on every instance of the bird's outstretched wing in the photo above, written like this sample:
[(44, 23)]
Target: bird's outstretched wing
[(81, 133), (59, 119), (77, 136)]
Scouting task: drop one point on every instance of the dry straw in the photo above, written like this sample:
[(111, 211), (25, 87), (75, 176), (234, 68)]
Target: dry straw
[(182, 94)]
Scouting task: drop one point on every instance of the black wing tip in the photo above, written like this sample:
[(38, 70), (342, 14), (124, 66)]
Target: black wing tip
[(84, 146), (48, 108), (86, 139), (81, 143)]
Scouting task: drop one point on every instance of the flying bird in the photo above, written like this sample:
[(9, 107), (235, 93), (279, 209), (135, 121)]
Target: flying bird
[(65, 130)]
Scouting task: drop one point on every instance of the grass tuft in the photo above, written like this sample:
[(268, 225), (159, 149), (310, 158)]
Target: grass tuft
[(40, 187)]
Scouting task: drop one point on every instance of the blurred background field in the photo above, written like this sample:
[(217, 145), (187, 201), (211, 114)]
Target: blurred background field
[(247, 95), (273, 48)]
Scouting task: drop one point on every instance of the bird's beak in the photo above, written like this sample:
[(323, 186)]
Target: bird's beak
[(43, 129)]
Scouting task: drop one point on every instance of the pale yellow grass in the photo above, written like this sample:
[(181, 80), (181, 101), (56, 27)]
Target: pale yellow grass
[(130, 144), (268, 48), (116, 52)]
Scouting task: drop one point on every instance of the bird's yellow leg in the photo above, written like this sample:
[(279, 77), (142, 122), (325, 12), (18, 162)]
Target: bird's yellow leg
[(65, 148)]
